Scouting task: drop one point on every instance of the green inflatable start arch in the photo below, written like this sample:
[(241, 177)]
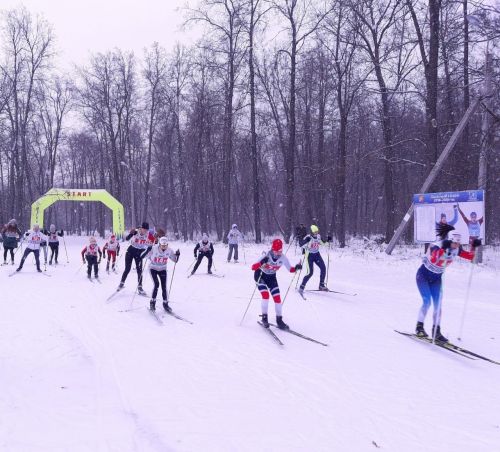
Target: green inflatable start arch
[(79, 195)]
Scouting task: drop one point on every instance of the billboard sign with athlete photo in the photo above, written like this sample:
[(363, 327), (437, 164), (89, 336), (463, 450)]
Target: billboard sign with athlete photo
[(462, 209)]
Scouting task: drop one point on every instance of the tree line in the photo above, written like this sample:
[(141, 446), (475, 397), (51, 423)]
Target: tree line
[(285, 111)]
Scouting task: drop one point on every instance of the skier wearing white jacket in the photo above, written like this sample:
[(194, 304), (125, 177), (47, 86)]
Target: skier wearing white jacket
[(34, 238), (159, 255), (233, 239)]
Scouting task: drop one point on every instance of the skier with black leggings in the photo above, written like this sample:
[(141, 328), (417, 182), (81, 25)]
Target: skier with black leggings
[(140, 240), (204, 248), (159, 256)]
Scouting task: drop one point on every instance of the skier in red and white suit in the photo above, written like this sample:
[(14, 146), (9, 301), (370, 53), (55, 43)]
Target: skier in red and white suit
[(111, 250), (265, 277)]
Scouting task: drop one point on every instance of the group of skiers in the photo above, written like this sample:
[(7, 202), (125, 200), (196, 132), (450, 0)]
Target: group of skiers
[(145, 244), (35, 239)]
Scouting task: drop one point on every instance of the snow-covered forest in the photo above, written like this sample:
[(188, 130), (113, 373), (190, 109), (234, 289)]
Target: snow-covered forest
[(284, 111)]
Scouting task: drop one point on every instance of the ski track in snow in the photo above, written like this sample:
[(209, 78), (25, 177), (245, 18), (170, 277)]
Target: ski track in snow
[(79, 375)]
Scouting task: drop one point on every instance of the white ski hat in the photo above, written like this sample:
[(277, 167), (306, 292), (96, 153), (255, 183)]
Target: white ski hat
[(234, 226), (163, 241), (456, 238)]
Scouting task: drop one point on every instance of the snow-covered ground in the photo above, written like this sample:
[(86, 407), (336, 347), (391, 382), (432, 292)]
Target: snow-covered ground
[(79, 374)]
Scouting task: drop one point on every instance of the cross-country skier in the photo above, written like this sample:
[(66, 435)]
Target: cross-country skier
[(54, 235), (159, 255), (204, 248), (34, 238), (310, 244), (265, 277), (92, 254), (10, 235), (233, 239), (140, 240), (111, 250), (429, 276)]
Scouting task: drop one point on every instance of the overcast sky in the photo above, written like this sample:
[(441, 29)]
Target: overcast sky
[(86, 26)]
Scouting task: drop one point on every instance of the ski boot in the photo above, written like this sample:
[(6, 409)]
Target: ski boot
[(166, 306), (89, 277), (265, 321), (107, 268), (209, 272), (323, 288), (301, 292), (235, 261), (140, 290), (50, 262), (436, 334), (419, 330), (5, 263), (121, 285), (152, 304), (39, 270), (280, 324)]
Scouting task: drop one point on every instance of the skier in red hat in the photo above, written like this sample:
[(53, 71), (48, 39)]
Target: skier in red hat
[(265, 277)]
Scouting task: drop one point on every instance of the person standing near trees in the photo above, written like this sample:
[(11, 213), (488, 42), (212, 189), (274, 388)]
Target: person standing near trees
[(10, 235), (233, 239)]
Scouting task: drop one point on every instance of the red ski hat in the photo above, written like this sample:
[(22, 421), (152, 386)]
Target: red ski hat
[(277, 245)]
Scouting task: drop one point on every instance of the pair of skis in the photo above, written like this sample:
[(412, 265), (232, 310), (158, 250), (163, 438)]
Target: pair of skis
[(170, 313), (119, 289), (450, 347), (16, 272), (215, 275), (325, 291), (295, 333)]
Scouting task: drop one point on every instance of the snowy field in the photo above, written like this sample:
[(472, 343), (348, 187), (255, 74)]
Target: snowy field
[(78, 374)]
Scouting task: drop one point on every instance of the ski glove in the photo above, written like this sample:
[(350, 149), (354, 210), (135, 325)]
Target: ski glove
[(256, 266), (476, 243), (177, 253), (298, 267)]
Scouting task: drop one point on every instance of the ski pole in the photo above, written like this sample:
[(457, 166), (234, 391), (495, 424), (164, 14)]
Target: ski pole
[(244, 254), (289, 245), (306, 256), (467, 297), (65, 250), (328, 264), (137, 287), (290, 285), (192, 263), (437, 319), (251, 298), (171, 282), (79, 268)]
